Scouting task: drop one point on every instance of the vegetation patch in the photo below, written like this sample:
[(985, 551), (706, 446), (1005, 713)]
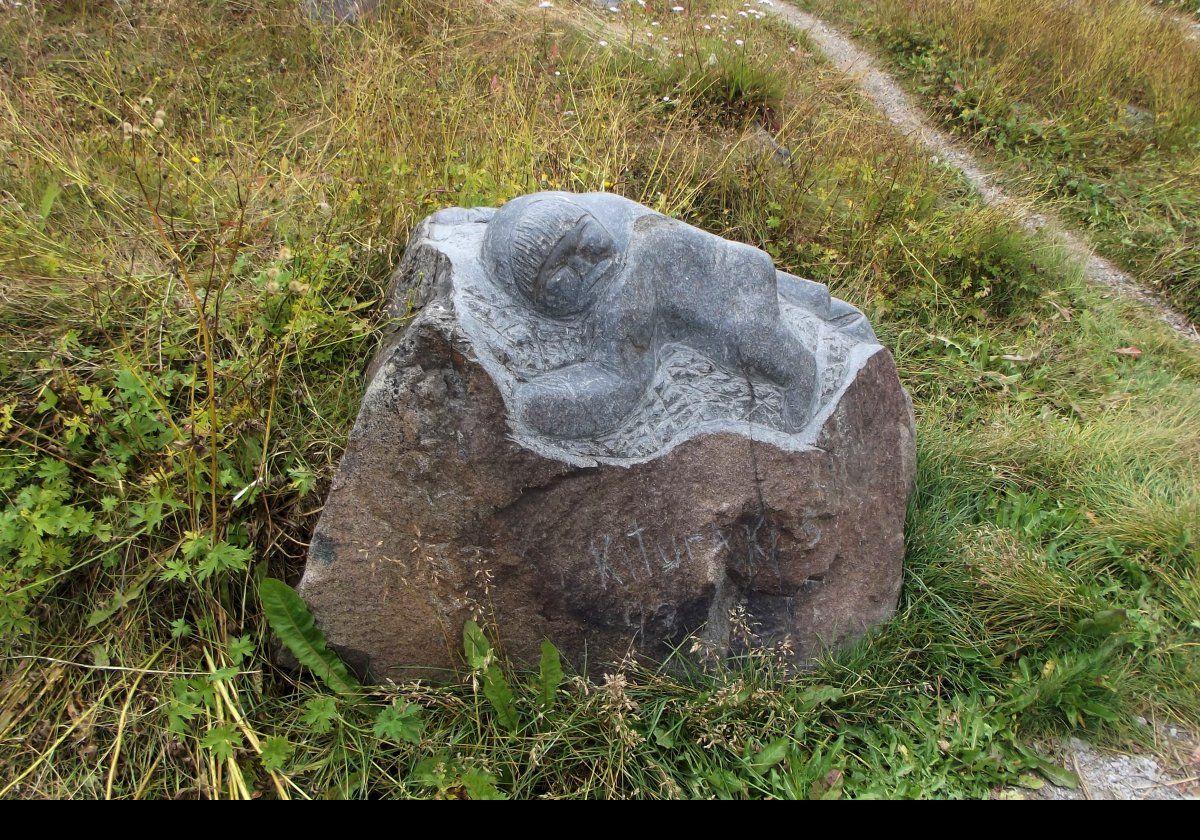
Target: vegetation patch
[(1096, 110)]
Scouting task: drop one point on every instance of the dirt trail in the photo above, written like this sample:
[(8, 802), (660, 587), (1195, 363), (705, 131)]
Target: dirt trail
[(879, 87)]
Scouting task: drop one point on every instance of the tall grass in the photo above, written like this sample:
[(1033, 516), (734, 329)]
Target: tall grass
[(1092, 106), (1083, 59)]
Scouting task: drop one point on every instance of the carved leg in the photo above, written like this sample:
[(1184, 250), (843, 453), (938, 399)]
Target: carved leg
[(775, 353), (579, 400)]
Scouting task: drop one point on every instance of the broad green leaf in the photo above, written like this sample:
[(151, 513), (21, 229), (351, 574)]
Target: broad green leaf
[(275, 753), (481, 785), (291, 621), (550, 674), (222, 740), (319, 714), (475, 646), (828, 786), (118, 602), (1054, 774), (400, 723), (1099, 710), (498, 693), (725, 781), (1060, 776), (46, 204), (770, 755), (1103, 623), (1030, 782), (818, 695), (432, 770), (240, 648)]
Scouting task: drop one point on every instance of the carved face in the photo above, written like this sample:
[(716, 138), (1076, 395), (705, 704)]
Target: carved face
[(552, 251), (564, 282)]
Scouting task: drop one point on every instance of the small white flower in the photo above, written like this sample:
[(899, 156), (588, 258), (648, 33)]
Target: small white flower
[(613, 9), (603, 43), (545, 4), (707, 27), (677, 8), (739, 42)]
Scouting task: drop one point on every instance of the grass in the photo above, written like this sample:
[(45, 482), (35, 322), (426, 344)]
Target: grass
[(189, 299), (1093, 107)]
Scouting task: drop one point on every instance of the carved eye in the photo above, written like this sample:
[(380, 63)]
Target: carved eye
[(594, 242), (563, 290)]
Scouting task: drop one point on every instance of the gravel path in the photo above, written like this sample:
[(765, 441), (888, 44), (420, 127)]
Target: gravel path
[(887, 95)]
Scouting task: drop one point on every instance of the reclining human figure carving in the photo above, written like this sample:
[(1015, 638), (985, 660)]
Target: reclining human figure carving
[(631, 280)]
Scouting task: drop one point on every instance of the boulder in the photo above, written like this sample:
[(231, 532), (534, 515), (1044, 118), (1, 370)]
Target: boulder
[(598, 425), (340, 11)]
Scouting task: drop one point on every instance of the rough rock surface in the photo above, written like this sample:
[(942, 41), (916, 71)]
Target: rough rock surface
[(727, 458), (340, 11), (1114, 775)]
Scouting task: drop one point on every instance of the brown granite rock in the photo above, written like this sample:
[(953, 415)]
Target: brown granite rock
[(445, 507)]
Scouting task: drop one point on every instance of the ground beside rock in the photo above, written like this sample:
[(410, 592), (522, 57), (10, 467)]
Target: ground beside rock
[(1103, 774)]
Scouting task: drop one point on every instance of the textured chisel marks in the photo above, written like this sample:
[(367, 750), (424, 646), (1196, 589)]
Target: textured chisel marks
[(615, 333)]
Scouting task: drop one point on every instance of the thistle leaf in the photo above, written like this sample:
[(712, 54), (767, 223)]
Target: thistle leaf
[(550, 674), (291, 621)]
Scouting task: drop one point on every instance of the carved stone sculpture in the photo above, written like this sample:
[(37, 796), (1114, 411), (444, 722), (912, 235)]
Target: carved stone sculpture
[(609, 428), (340, 11)]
